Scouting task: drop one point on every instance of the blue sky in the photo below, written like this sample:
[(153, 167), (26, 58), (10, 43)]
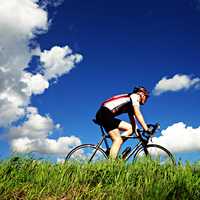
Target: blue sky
[(122, 44)]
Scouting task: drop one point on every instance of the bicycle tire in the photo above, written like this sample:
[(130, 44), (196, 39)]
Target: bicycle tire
[(157, 153), (83, 154)]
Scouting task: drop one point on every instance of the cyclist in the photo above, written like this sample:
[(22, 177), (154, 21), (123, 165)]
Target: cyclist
[(116, 105)]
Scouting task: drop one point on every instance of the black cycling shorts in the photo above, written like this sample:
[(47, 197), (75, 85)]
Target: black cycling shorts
[(106, 118)]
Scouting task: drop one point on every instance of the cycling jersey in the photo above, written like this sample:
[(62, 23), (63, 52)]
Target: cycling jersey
[(122, 103)]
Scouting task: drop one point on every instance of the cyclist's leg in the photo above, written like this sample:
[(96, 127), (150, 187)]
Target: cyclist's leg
[(116, 136), (117, 142), (111, 125), (126, 128)]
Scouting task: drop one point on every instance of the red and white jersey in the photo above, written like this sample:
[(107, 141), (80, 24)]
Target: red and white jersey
[(122, 103)]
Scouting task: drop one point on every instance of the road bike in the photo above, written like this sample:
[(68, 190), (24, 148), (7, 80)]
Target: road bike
[(143, 148)]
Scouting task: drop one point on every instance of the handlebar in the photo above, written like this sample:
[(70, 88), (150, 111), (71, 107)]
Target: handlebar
[(144, 135)]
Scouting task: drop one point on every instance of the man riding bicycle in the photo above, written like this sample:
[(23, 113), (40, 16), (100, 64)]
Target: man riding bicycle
[(116, 105)]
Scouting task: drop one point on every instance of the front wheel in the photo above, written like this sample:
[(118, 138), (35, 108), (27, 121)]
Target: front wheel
[(155, 152), (86, 153)]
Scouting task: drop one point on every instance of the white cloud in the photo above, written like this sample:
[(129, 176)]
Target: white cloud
[(176, 83), (58, 61), (21, 22), (9, 112), (12, 99), (36, 84), (179, 138), (32, 136), (60, 147), (31, 111), (36, 126)]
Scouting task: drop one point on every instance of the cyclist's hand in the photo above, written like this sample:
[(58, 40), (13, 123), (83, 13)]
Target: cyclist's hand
[(150, 129)]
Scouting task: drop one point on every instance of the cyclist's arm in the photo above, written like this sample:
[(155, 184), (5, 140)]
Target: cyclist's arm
[(132, 121), (139, 117)]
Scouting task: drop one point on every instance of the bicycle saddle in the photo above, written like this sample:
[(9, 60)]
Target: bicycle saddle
[(95, 121)]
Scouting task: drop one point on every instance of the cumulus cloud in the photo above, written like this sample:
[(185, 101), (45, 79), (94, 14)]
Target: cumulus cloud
[(179, 138), (9, 112), (15, 54), (32, 136), (176, 83), (12, 99), (60, 147), (58, 61), (36, 84), (21, 22), (36, 126)]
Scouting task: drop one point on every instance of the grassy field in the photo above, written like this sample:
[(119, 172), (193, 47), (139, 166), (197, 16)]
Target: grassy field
[(23, 178)]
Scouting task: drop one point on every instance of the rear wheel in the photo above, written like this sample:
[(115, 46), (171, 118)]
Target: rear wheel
[(86, 153), (155, 152)]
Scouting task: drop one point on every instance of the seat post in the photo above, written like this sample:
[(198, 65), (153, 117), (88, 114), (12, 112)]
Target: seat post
[(104, 136)]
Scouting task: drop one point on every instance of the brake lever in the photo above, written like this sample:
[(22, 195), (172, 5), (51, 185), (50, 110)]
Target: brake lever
[(157, 125), (156, 128), (151, 138)]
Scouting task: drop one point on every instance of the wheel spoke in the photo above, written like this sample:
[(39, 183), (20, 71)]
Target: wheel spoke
[(156, 153), (85, 153)]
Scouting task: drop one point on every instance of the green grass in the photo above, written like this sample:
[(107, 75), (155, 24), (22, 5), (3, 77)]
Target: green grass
[(23, 178)]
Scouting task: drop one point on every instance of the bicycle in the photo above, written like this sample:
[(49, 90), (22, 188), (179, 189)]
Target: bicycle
[(92, 153)]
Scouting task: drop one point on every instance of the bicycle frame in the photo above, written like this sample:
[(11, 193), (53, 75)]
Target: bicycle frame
[(136, 147), (104, 136), (141, 145), (104, 139)]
